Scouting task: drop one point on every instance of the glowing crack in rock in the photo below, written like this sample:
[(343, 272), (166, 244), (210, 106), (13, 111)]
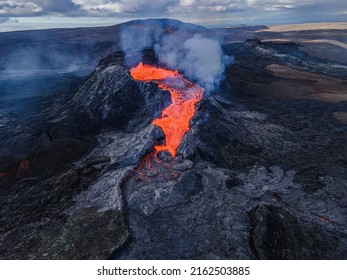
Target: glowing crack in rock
[(174, 120)]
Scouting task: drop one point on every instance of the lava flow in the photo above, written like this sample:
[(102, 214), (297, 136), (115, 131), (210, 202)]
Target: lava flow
[(174, 120)]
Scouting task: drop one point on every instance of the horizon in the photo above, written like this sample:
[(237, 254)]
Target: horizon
[(42, 23), (38, 14)]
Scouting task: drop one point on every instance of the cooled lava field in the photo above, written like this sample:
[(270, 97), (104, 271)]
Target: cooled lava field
[(158, 139)]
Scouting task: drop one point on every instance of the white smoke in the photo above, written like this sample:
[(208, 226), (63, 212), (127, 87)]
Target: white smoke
[(135, 39), (199, 58)]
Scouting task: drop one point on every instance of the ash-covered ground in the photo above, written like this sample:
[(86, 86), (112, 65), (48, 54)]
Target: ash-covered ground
[(261, 174)]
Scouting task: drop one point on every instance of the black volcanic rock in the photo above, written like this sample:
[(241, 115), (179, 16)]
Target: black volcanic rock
[(277, 235), (110, 97), (266, 53), (75, 211)]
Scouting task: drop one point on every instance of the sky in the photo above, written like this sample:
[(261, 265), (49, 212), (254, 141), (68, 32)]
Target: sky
[(37, 14)]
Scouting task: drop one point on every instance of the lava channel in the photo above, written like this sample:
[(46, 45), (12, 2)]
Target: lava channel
[(174, 120)]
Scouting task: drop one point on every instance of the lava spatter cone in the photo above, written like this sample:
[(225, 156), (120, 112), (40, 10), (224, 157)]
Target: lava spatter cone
[(174, 120)]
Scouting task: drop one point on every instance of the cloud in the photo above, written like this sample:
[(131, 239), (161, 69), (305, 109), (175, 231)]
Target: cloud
[(275, 5), (37, 7), (206, 6), (109, 7), (16, 7), (189, 10), (61, 6)]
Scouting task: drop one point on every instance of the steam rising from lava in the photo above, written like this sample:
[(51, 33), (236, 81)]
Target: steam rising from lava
[(198, 58)]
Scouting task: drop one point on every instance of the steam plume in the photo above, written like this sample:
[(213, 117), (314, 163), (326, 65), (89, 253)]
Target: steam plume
[(199, 58)]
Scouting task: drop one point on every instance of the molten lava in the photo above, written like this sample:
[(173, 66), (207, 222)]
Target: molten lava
[(174, 120)]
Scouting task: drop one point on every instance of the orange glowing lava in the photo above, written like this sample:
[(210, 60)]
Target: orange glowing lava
[(174, 120)]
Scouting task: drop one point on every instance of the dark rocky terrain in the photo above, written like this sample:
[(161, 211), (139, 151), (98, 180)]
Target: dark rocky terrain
[(260, 174)]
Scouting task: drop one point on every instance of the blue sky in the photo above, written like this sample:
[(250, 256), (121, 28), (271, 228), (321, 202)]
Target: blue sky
[(34, 14)]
